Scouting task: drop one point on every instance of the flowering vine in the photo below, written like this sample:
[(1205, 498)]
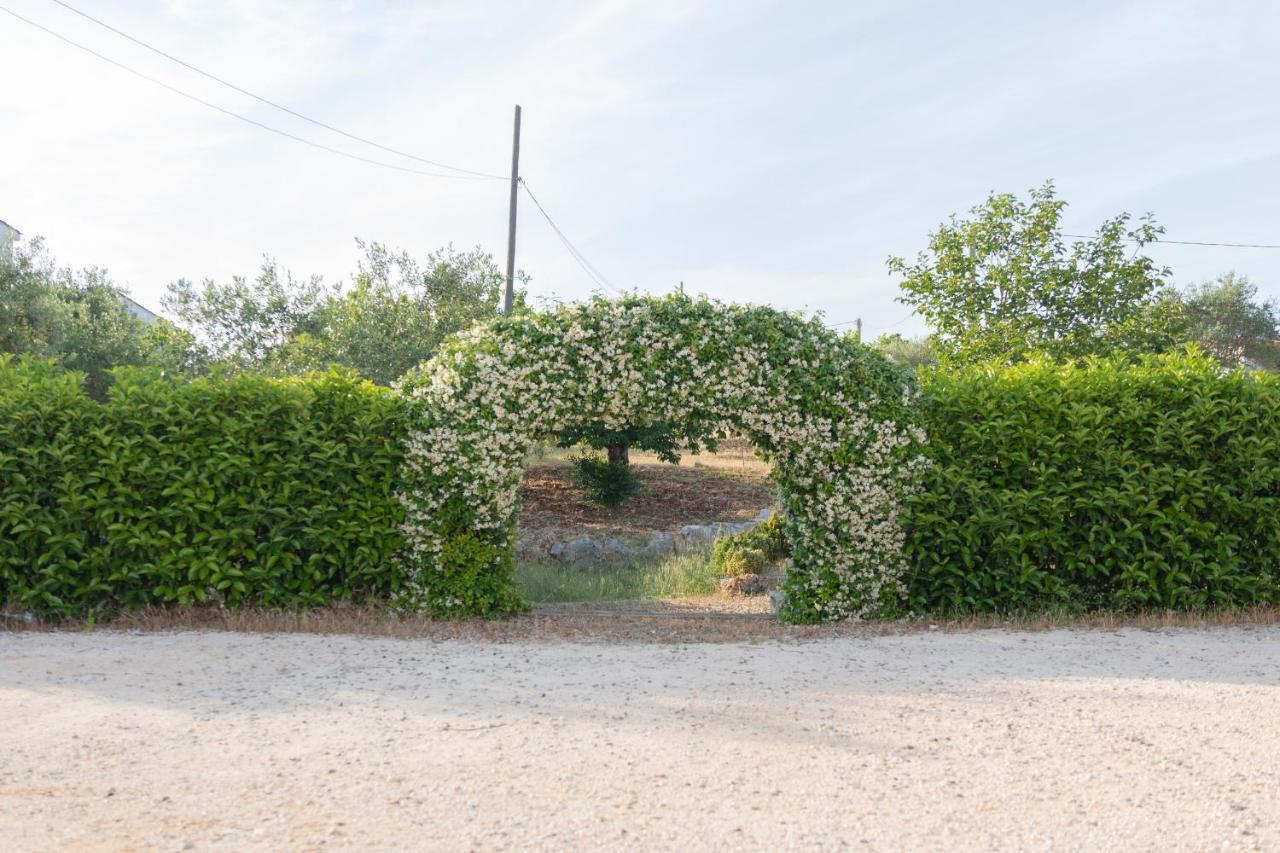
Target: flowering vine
[(831, 415)]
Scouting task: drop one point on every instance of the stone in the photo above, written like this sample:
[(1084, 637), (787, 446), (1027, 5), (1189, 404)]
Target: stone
[(660, 544), (763, 515), (556, 551), (776, 599), (695, 533), (24, 616), (614, 548), (747, 584), (582, 549)]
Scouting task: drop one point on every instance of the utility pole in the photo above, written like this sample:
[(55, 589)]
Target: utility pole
[(511, 221), (859, 336)]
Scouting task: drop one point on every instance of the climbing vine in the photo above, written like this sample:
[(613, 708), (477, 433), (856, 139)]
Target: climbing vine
[(832, 416)]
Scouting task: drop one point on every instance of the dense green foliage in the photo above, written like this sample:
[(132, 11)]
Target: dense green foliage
[(1227, 321), (752, 549), (1110, 484), (78, 318), (234, 489), (606, 484), (1006, 283), (392, 318), (466, 580), (1060, 478)]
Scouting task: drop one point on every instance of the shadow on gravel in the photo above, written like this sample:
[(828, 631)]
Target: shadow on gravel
[(631, 664)]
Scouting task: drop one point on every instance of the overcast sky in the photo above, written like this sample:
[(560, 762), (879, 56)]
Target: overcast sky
[(759, 151)]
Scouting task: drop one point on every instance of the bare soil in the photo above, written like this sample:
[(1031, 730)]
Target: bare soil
[(671, 496)]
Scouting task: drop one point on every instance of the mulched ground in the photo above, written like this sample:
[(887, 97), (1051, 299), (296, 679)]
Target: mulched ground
[(671, 496)]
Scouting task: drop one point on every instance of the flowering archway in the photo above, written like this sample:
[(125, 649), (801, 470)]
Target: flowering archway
[(831, 415)]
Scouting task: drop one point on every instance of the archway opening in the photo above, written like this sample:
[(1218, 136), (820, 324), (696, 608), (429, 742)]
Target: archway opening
[(626, 520), (831, 417)]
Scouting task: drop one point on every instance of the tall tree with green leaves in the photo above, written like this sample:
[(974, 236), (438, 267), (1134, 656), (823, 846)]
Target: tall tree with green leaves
[(243, 323), (1229, 322), (399, 311), (393, 317), (78, 319), (1006, 282)]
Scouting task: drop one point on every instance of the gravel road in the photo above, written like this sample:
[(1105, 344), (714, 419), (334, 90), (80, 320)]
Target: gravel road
[(993, 740)]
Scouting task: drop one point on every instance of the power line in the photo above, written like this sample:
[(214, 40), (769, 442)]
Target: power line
[(271, 103), (881, 329), (587, 266), (228, 112), (592, 273), (1187, 242)]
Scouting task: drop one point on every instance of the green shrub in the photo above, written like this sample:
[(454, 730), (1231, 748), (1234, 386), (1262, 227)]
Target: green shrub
[(1100, 485), (603, 482), (752, 549), (742, 561), (469, 584), (276, 492)]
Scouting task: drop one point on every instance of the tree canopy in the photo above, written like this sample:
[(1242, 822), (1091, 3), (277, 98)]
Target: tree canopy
[(1006, 282), (1228, 322), (78, 319), (393, 317)]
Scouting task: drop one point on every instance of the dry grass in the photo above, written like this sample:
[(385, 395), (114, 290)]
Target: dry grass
[(665, 622), (1109, 620)]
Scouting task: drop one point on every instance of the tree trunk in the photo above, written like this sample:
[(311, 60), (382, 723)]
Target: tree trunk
[(618, 454)]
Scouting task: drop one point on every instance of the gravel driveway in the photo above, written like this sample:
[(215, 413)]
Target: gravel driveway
[(982, 740)]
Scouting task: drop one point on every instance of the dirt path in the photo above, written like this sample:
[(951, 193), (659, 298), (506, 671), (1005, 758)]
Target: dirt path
[(982, 740)]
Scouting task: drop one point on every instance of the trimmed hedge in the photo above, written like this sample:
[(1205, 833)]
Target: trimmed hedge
[(1106, 484), (1101, 485), (243, 489)]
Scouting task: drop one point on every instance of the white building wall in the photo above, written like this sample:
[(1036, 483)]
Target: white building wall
[(7, 235)]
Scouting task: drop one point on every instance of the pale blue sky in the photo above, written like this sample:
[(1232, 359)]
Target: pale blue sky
[(763, 151)]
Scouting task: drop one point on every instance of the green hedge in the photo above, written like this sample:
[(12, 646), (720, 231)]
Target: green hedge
[(243, 489), (1103, 485)]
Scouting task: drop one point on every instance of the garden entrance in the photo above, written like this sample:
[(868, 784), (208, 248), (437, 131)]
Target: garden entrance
[(832, 417)]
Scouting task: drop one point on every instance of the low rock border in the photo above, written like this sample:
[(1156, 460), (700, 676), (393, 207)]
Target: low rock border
[(690, 537)]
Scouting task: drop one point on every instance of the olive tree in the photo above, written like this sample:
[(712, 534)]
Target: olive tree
[(393, 316), (78, 319), (1229, 322)]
